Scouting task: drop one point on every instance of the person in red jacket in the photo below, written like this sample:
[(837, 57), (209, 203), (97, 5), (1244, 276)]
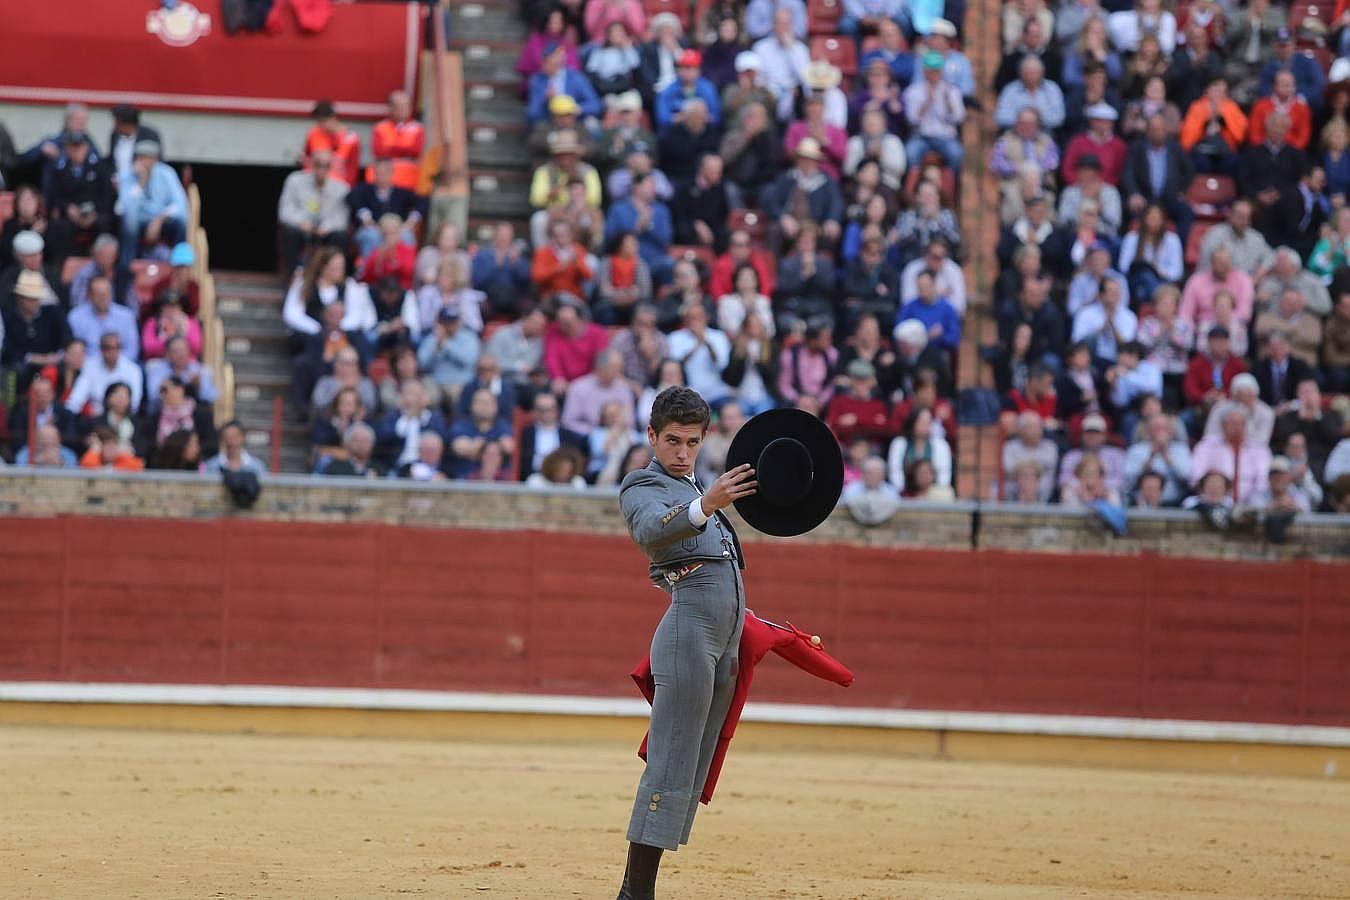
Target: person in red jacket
[(330, 134), (571, 343), (858, 413), (1210, 373), (400, 137), (392, 258), (560, 266), (1284, 99), (740, 251)]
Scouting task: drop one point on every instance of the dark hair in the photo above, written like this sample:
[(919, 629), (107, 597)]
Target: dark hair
[(108, 391), (232, 423), (656, 371), (126, 114), (679, 406), (172, 453), (736, 276)]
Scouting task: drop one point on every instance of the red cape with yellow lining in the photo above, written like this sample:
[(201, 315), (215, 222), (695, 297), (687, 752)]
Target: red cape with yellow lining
[(758, 637)]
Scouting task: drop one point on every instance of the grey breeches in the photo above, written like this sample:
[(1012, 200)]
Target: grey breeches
[(694, 655)]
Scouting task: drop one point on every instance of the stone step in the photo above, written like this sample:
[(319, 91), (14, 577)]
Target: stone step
[(499, 192), (480, 227), (252, 315), (499, 109), (494, 66), (477, 21), (498, 147), (260, 370)]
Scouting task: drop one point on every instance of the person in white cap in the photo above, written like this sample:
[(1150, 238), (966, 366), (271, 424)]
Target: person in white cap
[(29, 248), (1099, 140), (747, 88), (153, 203), (627, 135), (1093, 442)]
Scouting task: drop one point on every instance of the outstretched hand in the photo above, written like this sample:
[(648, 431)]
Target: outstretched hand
[(730, 487)]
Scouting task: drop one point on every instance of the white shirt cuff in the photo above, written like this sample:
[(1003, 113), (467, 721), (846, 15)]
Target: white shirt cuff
[(696, 516)]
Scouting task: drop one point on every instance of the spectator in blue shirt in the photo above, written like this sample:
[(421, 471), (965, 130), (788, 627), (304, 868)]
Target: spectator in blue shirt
[(554, 79), (642, 214), (154, 204), (471, 435), (502, 271), (936, 314), (1309, 80), (90, 321), (687, 85)]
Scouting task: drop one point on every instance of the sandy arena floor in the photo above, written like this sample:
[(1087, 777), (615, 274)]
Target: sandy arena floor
[(112, 814)]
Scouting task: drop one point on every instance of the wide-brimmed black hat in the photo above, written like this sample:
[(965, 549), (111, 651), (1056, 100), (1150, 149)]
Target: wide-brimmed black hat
[(798, 466)]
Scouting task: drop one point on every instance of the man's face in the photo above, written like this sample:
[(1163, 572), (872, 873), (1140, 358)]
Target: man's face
[(384, 174), (413, 398), (100, 294), (1291, 303), (178, 354), (676, 447), (1160, 431), (1241, 217), (322, 164), (1284, 85), (1234, 427), (1279, 482), (1221, 264), (1030, 430), (782, 24), (42, 393), (546, 410), (110, 348), (400, 106), (77, 153), (1309, 395), (361, 444), (483, 406), (30, 261), (711, 169), (232, 439), (105, 255), (1093, 440), (1156, 130), (1028, 125)]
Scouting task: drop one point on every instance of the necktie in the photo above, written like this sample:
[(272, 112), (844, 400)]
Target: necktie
[(1277, 380), (1237, 465)]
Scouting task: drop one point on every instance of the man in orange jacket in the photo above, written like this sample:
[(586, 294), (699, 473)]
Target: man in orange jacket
[(1213, 130), (400, 137), (330, 134)]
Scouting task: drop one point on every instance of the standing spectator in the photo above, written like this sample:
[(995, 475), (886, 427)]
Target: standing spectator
[(1033, 90), (783, 58), (806, 370), (371, 202), (703, 352), (571, 343), (153, 203), (109, 367), (471, 437), (100, 316), (1320, 428), (1162, 455), (502, 271), (588, 395), (312, 210), (1029, 445), (399, 137), (1232, 454), (449, 352), (324, 281), (329, 135), (546, 435), (79, 198)]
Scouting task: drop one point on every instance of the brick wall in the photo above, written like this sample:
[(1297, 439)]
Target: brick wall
[(495, 507)]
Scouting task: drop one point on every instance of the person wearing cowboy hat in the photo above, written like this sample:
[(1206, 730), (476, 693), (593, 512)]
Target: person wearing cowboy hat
[(804, 194), (32, 334), (821, 79), (688, 85), (549, 186), (153, 203)]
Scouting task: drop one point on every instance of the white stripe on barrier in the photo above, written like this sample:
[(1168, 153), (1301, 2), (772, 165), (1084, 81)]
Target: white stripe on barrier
[(783, 713)]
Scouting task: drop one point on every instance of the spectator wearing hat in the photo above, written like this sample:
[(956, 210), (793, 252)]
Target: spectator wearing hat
[(178, 281), (859, 413), (1281, 493), (329, 134), (747, 88), (783, 57), (571, 343), (29, 250), (615, 65), (1093, 443), (103, 262), (688, 85), (153, 203), (821, 79), (804, 194), (563, 115), (550, 184), (1161, 454), (449, 351), (891, 52), (369, 202), (34, 332), (702, 205), (1099, 142), (935, 110), (100, 315), (1090, 187), (660, 55), (312, 210), (1158, 170), (1309, 80), (1029, 446), (1030, 89), (80, 197), (555, 78)]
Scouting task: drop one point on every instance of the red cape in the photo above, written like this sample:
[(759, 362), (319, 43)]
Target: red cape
[(757, 638)]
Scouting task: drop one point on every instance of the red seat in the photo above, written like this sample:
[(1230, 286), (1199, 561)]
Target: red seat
[(147, 272), (678, 7), (701, 256), (1301, 11), (1211, 195), (751, 221), (1194, 240), (946, 186), (837, 51), (822, 16)]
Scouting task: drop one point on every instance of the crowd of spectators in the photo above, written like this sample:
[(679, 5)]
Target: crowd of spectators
[(1173, 300), (100, 346)]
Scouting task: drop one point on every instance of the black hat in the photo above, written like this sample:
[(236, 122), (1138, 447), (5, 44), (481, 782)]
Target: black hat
[(799, 468)]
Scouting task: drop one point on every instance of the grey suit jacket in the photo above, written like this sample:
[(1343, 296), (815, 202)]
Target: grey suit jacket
[(655, 505)]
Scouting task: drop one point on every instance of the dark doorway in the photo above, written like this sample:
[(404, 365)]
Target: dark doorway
[(239, 213)]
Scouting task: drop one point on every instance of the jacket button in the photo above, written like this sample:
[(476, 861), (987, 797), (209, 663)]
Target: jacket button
[(726, 554), (652, 807), (656, 798)]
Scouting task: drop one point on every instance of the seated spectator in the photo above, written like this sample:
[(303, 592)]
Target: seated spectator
[(783, 57), (623, 281), (1300, 472), (1034, 227), (1029, 445), (398, 435), (859, 413), (875, 142), (878, 89), (1162, 455), (1094, 443), (178, 280), (702, 205), (518, 347), (449, 352), (923, 384), (807, 370), (1283, 99), (107, 452), (723, 43), (1330, 252), (1092, 49), (550, 184), (571, 343), (312, 211), (935, 312), (232, 456), (1336, 347), (747, 89), (1273, 171), (555, 29), (1224, 315), (1016, 15), (1038, 395), (1243, 394), (329, 135), (109, 367), (1195, 65), (746, 300), (1089, 485), (346, 375), (1031, 89), (1078, 389), (641, 346), (1211, 371), (1320, 428), (1245, 244), (1089, 187), (501, 271), (1099, 143), (1281, 494), (869, 285), (1251, 37), (392, 257), (612, 436), (1034, 309), (740, 252), (683, 143), (613, 66), (471, 436), (560, 468), (1088, 234), (397, 319), (41, 404), (588, 395), (918, 226), (1288, 274), (1158, 170), (804, 188), (1017, 193), (117, 416), (371, 202), (488, 377), (399, 137), (948, 279), (1197, 300), (1024, 142), (1309, 78), (686, 287), (1105, 324), (1335, 140), (1152, 102), (750, 153), (751, 372), (648, 218), (100, 316), (1302, 329), (556, 77), (30, 220), (451, 290), (1147, 17), (152, 203), (1167, 339), (1213, 130), (545, 435), (560, 266), (1243, 462), (1035, 42), (638, 165), (357, 457), (1132, 379), (703, 352), (806, 284), (48, 450), (80, 197), (177, 412), (918, 443), (319, 350), (921, 483), (178, 362), (1151, 254), (830, 138), (429, 465), (446, 246), (168, 322), (689, 84), (1012, 367), (587, 220)]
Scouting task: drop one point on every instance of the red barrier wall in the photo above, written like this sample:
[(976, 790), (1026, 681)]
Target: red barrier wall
[(240, 602)]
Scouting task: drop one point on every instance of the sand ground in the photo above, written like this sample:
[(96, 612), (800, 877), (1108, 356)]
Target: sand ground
[(133, 814)]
